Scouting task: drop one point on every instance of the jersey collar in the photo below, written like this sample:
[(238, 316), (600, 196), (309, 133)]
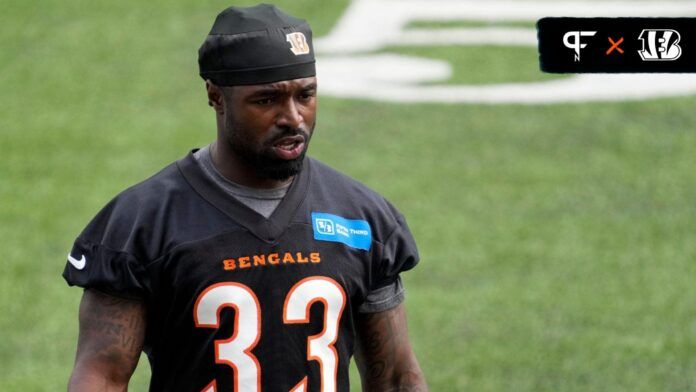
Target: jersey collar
[(268, 230)]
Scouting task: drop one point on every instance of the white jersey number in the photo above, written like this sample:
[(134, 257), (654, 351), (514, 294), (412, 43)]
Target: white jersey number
[(235, 352), (319, 347)]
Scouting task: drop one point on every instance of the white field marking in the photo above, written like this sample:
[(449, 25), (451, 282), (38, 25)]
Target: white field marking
[(347, 69), (468, 36)]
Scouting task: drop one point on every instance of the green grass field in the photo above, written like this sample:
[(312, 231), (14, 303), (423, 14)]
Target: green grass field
[(558, 242)]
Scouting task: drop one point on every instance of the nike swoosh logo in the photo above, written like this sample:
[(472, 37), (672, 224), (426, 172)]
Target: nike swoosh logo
[(79, 264)]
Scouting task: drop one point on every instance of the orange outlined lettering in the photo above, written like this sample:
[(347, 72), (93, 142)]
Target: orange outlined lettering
[(229, 264), (272, 259), (300, 259), (259, 260)]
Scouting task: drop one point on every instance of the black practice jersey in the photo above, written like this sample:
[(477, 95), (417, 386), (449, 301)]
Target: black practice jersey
[(235, 301)]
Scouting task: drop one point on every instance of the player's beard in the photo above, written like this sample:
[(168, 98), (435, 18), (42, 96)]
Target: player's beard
[(261, 158)]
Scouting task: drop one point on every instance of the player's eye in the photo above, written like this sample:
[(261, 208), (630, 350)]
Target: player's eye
[(265, 101), (307, 95)]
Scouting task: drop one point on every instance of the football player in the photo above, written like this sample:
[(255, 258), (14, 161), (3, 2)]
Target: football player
[(246, 265)]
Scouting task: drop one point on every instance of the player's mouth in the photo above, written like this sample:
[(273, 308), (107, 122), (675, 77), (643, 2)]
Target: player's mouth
[(289, 147)]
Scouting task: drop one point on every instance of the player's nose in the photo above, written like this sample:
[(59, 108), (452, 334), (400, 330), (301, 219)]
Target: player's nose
[(290, 115)]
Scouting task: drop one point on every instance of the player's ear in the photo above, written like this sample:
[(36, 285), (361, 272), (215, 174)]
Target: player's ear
[(215, 96)]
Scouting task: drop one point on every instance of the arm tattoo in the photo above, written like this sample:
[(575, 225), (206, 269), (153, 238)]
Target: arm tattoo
[(382, 361), (376, 346), (111, 329)]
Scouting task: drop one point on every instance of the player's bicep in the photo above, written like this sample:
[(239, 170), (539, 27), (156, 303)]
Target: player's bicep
[(112, 331), (384, 355)]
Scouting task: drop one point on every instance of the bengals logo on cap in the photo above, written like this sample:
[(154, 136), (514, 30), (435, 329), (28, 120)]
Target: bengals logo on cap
[(298, 43)]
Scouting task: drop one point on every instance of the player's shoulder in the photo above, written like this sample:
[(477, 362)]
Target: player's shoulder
[(149, 194), (337, 192), (164, 182), (142, 204), (342, 185)]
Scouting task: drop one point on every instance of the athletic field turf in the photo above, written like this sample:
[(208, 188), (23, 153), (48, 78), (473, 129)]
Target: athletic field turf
[(558, 242)]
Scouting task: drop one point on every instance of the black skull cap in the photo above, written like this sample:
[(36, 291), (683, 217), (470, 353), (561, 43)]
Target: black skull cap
[(256, 45)]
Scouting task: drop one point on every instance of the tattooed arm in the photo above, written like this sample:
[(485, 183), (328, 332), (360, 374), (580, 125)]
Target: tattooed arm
[(384, 355), (112, 331)]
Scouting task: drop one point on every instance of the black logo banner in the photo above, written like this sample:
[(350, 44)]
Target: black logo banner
[(617, 45)]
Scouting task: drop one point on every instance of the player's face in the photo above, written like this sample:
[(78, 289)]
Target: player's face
[(269, 126)]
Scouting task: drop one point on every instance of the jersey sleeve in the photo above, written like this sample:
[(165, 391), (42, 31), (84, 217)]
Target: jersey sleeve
[(105, 256), (399, 253), (384, 298)]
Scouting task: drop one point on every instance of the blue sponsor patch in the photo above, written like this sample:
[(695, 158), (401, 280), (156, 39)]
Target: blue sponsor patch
[(354, 233)]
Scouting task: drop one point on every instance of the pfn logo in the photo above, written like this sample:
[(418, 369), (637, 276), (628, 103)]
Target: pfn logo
[(575, 44), (662, 45)]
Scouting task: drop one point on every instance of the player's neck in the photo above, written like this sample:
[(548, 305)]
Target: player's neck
[(235, 169)]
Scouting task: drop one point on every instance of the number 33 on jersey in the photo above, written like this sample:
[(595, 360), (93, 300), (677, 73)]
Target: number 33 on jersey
[(237, 351)]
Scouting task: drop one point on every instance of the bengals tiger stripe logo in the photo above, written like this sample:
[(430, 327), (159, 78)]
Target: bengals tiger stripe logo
[(298, 43)]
